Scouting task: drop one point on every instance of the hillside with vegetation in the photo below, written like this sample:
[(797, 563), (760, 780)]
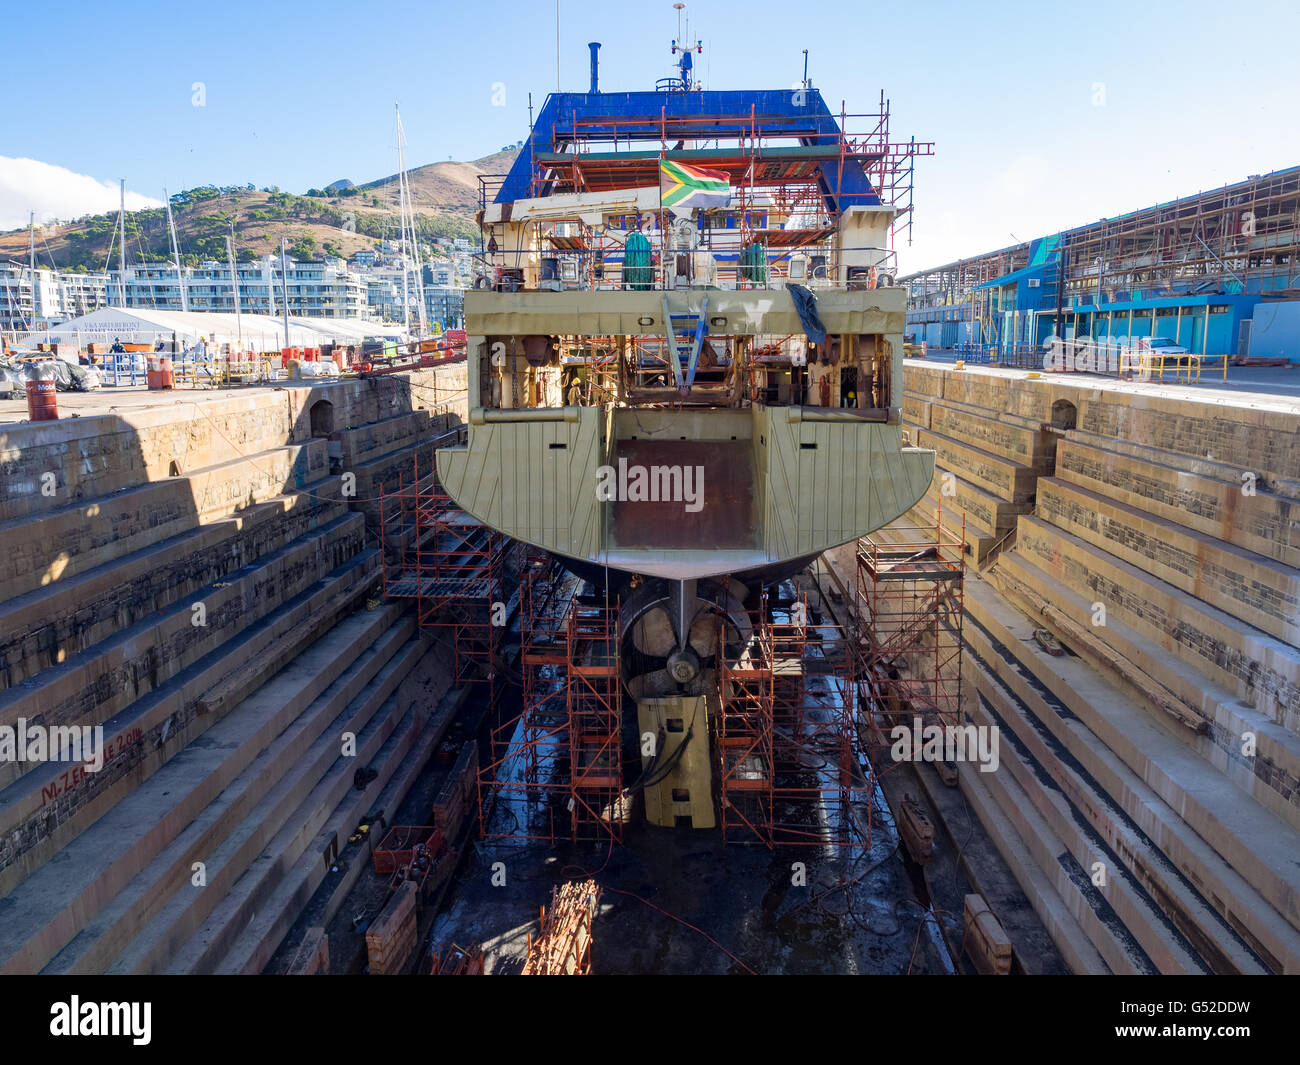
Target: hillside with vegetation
[(337, 219)]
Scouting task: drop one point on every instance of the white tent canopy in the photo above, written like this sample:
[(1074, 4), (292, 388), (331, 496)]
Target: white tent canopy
[(260, 332)]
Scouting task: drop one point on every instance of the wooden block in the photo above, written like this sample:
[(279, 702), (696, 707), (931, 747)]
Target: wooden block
[(313, 955), (916, 830), (986, 943)]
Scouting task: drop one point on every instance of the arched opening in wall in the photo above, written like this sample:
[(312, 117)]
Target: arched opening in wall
[(322, 418), (1064, 414)]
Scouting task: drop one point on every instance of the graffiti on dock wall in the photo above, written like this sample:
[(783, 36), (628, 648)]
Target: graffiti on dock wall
[(94, 753)]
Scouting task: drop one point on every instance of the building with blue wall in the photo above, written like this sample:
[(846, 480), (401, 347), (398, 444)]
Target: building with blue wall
[(1195, 270)]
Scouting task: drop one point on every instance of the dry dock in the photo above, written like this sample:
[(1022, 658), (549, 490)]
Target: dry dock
[(199, 574)]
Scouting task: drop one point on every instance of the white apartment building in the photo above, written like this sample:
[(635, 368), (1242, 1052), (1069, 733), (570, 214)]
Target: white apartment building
[(31, 299), (325, 289)]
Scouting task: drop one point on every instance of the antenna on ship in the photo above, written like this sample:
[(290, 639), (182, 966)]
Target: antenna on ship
[(682, 44)]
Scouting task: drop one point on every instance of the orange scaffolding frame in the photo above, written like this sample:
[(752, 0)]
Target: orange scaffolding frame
[(556, 768), (743, 733), (911, 602), (791, 768), (452, 567)]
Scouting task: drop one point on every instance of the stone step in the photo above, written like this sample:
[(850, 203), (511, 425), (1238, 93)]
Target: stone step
[(1246, 585), (1071, 881), (101, 455), (997, 516), (998, 476), (1240, 853), (1262, 522), (1203, 465), (353, 862), (986, 390), (182, 910), (979, 541), (79, 535), (197, 796), (1022, 440), (93, 685), (1163, 909), (1261, 669), (1271, 777), (924, 380), (368, 442), (49, 806), (247, 926), (50, 624), (1075, 947), (1121, 897)]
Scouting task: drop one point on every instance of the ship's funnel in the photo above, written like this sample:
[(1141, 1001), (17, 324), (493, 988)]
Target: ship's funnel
[(595, 66)]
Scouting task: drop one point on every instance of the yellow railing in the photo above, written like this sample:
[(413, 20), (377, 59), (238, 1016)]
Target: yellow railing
[(1186, 367)]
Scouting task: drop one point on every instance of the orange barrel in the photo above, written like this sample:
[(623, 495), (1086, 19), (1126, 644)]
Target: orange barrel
[(42, 400), (159, 376)]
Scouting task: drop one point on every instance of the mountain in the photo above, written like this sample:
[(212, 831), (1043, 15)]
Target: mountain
[(340, 218)]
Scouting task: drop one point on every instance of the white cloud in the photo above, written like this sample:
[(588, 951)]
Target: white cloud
[(54, 192)]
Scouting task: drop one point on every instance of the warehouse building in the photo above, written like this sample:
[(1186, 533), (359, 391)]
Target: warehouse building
[(1216, 272)]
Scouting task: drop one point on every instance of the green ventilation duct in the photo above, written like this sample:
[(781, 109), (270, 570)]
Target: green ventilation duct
[(638, 267)]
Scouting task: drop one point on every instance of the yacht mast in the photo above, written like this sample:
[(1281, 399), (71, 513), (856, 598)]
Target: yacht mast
[(121, 252), (176, 253), (406, 210)]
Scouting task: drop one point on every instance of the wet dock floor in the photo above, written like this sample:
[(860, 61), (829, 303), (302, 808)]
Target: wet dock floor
[(679, 901)]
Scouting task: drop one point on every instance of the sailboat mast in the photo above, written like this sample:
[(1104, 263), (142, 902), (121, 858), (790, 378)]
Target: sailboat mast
[(284, 281), (176, 254), (234, 288), (121, 252), (407, 213), (401, 221)]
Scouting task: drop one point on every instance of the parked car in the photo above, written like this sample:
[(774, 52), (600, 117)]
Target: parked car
[(1160, 346)]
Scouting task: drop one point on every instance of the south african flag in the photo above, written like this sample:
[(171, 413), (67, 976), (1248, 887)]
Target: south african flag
[(684, 186)]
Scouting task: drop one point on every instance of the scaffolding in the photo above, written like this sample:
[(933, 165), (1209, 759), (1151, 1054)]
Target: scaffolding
[(743, 732), (454, 570), (791, 767), (556, 768), (786, 197), (910, 603)]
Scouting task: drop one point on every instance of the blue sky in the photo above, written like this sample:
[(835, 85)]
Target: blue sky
[(1042, 118)]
